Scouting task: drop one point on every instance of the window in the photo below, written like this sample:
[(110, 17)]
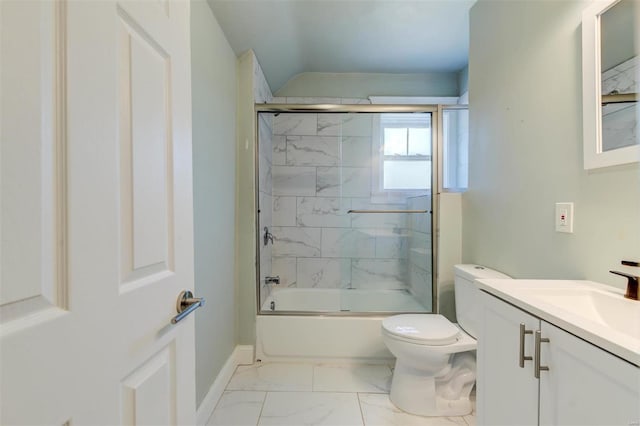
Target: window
[(405, 152), (455, 144)]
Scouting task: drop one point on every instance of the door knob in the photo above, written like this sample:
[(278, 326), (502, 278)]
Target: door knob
[(186, 304)]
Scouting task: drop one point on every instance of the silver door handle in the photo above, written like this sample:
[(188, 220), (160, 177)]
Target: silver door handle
[(537, 368), (523, 357), (186, 304)]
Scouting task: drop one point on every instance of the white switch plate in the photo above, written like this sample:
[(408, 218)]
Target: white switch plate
[(564, 217)]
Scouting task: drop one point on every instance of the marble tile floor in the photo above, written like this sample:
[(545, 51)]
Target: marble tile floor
[(297, 394)]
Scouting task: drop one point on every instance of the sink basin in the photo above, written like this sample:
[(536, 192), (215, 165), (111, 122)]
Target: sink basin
[(607, 308)]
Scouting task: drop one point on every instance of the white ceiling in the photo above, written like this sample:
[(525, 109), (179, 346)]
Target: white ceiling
[(369, 36)]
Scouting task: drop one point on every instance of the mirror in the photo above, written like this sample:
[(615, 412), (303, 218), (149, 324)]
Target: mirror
[(610, 82)]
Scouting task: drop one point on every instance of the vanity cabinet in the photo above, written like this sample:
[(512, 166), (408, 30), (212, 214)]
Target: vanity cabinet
[(584, 385)]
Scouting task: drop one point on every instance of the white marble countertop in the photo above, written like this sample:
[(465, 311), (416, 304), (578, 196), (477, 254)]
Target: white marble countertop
[(615, 330)]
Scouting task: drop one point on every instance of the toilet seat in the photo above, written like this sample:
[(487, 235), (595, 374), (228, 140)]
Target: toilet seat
[(422, 329)]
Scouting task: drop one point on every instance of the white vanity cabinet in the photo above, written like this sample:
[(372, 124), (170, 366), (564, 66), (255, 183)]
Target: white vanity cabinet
[(584, 385)]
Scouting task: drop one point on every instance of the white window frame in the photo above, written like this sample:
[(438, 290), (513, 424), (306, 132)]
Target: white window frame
[(378, 192), (452, 158)]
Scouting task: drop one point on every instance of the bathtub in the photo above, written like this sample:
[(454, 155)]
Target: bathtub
[(325, 335)]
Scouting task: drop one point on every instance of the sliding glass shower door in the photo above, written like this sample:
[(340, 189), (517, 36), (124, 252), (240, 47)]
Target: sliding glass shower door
[(345, 204)]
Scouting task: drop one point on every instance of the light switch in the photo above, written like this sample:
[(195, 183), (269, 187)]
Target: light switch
[(564, 217)]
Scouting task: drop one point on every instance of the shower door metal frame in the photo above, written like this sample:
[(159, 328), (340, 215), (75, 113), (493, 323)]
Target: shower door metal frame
[(436, 187)]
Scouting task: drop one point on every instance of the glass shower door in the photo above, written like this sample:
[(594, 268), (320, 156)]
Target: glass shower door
[(347, 199)]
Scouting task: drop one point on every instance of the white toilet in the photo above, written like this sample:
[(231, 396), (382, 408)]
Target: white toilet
[(435, 358)]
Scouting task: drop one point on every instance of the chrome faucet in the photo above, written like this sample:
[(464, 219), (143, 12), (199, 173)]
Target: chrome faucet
[(632, 281)]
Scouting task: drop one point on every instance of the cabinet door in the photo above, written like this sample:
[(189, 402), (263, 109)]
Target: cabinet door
[(585, 385), (506, 393)]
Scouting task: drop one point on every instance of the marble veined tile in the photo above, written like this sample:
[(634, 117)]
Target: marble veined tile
[(285, 268), (330, 124), (237, 408), (293, 180), (261, 90), (621, 78), (272, 377), (266, 210), (265, 170), (345, 124), (352, 378), (295, 242), (311, 408), (279, 155), (343, 181), (284, 211), (391, 244), (323, 212), (313, 151), (356, 151), (295, 124), (355, 243), (265, 123), (323, 272), (379, 273), (377, 410)]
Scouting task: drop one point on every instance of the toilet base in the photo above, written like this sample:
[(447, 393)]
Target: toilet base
[(443, 394)]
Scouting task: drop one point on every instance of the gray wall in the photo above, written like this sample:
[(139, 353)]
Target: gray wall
[(526, 151), (363, 85), (246, 202), (214, 143)]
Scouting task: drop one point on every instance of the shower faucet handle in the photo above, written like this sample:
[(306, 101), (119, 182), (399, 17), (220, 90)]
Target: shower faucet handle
[(268, 236), (272, 280)]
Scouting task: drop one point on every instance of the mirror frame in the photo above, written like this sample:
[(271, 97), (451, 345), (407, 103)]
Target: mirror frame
[(594, 156)]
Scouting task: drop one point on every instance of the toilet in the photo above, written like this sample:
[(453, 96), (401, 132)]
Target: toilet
[(435, 366)]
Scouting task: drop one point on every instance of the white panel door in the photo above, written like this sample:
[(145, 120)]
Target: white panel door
[(585, 385), (507, 394), (95, 213)]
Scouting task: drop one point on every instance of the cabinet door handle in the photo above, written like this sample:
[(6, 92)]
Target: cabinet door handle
[(537, 368), (523, 357)]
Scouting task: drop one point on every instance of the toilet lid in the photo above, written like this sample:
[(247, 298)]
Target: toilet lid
[(424, 329)]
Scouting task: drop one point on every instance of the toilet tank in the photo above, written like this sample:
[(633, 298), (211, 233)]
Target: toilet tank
[(467, 294)]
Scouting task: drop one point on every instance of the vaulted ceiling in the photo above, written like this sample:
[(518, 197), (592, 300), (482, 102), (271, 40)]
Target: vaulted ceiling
[(336, 36)]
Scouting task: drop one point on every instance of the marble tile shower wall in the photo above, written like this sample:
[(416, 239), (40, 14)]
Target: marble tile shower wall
[(321, 168), (619, 121)]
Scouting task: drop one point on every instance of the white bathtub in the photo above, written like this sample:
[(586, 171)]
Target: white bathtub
[(322, 337), (341, 300)]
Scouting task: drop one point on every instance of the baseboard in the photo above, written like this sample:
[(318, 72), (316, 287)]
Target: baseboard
[(241, 355), (245, 354)]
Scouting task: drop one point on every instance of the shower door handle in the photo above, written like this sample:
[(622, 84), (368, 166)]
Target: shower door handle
[(186, 304)]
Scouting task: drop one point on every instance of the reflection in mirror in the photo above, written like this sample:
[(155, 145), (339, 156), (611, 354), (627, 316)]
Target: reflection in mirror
[(619, 84)]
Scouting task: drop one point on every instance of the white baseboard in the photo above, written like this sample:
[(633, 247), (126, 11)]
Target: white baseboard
[(244, 354), (241, 355)]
